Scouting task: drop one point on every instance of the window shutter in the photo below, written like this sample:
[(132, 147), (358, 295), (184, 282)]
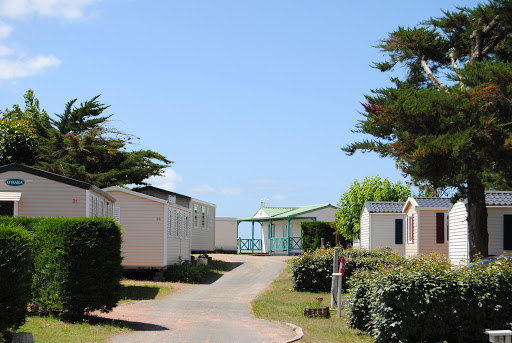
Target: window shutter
[(399, 231), (439, 227), (116, 213), (507, 232)]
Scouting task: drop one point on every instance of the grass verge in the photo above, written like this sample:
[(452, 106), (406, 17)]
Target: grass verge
[(52, 329), (282, 303)]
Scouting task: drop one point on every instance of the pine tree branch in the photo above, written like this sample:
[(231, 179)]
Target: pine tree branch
[(456, 68), (430, 74)]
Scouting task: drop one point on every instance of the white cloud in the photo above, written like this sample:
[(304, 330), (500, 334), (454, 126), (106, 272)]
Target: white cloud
[(231, 190), (5, 30), (15, 68), (67, 9), (203, 189), (168, 180), (279, 197), (207, 189), (5, 51)]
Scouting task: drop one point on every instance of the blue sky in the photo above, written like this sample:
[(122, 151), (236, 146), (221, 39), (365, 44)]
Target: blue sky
[(251, 99)]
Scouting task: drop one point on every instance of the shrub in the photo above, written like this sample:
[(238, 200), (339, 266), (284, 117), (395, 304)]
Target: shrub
[(15, 277), (427, 300), (77, 265), (312, 271), (313, 232), (188, 273)]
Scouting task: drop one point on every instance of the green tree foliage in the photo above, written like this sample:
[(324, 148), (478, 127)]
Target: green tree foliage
[(348, 215), (447, 121), (20, 129), (79, 143)]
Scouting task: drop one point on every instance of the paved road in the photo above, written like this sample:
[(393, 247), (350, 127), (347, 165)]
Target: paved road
[(218, 312)]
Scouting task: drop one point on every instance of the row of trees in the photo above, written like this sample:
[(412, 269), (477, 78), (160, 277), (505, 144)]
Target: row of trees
[(79, 143), (447, 122)]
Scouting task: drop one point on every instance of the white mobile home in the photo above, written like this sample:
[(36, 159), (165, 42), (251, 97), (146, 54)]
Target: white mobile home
[(382, 226), (225, 233), (426, 226), (203, 217), (499, 226), (281, 227), (156, 233), (31, 192)]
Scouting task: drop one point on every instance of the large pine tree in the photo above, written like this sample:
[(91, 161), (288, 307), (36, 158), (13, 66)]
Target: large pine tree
[(79, 144), (447, 122)]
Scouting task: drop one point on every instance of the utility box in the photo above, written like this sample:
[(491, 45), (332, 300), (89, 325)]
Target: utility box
[(499, 336)]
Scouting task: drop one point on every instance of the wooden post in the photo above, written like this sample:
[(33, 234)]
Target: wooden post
[(334, 284)]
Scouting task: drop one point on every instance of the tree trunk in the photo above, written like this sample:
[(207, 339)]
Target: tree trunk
[(477, 220)]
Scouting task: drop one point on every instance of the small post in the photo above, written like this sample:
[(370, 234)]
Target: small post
[(339, 277), (322, 243), (239, 245), (334, 284)]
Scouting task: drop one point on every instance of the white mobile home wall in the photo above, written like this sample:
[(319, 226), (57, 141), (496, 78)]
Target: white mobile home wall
[(149, 230), (45, 197), (226, 233), (378, 231), (203, 233)]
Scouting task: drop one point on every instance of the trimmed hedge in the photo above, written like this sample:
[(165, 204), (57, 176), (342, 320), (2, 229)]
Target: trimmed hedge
[(313, 232), (15, 277), (312, 271), (77, 265), (427, 300)]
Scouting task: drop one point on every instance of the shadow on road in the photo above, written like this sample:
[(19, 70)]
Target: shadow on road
[(222, 266), (135, 326)]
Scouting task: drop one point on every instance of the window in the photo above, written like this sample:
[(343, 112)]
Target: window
[(195, 216), (507, 232), (207, 218), (440, 228), (410, 229), (399, 231), (203, 213), (169, 222), (117, 214), (186, 226)]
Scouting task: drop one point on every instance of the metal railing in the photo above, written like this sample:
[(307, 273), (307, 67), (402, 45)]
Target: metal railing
[(246, 245), (280, 244)]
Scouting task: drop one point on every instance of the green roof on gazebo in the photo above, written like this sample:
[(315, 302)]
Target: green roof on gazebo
[(276, 213)]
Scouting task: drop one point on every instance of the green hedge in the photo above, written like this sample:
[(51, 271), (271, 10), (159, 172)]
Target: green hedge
[(313, 232), (77, 265), (15, 277), (427, 300), (312, 271)]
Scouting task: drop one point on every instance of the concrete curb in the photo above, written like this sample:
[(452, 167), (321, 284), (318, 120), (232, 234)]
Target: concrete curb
[(298, 333)]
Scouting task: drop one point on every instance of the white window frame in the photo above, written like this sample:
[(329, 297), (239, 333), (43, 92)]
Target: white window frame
[(410, 228)]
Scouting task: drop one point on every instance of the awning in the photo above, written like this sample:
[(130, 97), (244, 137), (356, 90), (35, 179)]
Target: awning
[(10, 196)]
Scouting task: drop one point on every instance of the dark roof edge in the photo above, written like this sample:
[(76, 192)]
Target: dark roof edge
[(138, 189), (55, 177)]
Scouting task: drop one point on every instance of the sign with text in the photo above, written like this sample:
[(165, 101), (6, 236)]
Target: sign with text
[(14, 182)]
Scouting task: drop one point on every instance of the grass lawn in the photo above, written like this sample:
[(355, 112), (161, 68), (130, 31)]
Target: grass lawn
[(282, 303), (51, 329)]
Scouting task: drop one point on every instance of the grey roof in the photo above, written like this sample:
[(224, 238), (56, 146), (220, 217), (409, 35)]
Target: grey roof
[(433, 202), (384, 206), (498, 198)]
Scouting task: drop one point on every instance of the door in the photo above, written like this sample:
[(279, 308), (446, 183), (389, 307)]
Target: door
[(7, 208)]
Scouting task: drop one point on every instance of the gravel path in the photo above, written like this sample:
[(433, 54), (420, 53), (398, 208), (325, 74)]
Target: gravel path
[(217, 312)]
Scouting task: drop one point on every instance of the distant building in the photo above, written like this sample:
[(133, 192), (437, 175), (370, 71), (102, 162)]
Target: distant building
[(281, 227), (382, 226), (225, 233)]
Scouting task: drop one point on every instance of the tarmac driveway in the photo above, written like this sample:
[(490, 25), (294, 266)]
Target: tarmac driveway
[(217, 312)]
